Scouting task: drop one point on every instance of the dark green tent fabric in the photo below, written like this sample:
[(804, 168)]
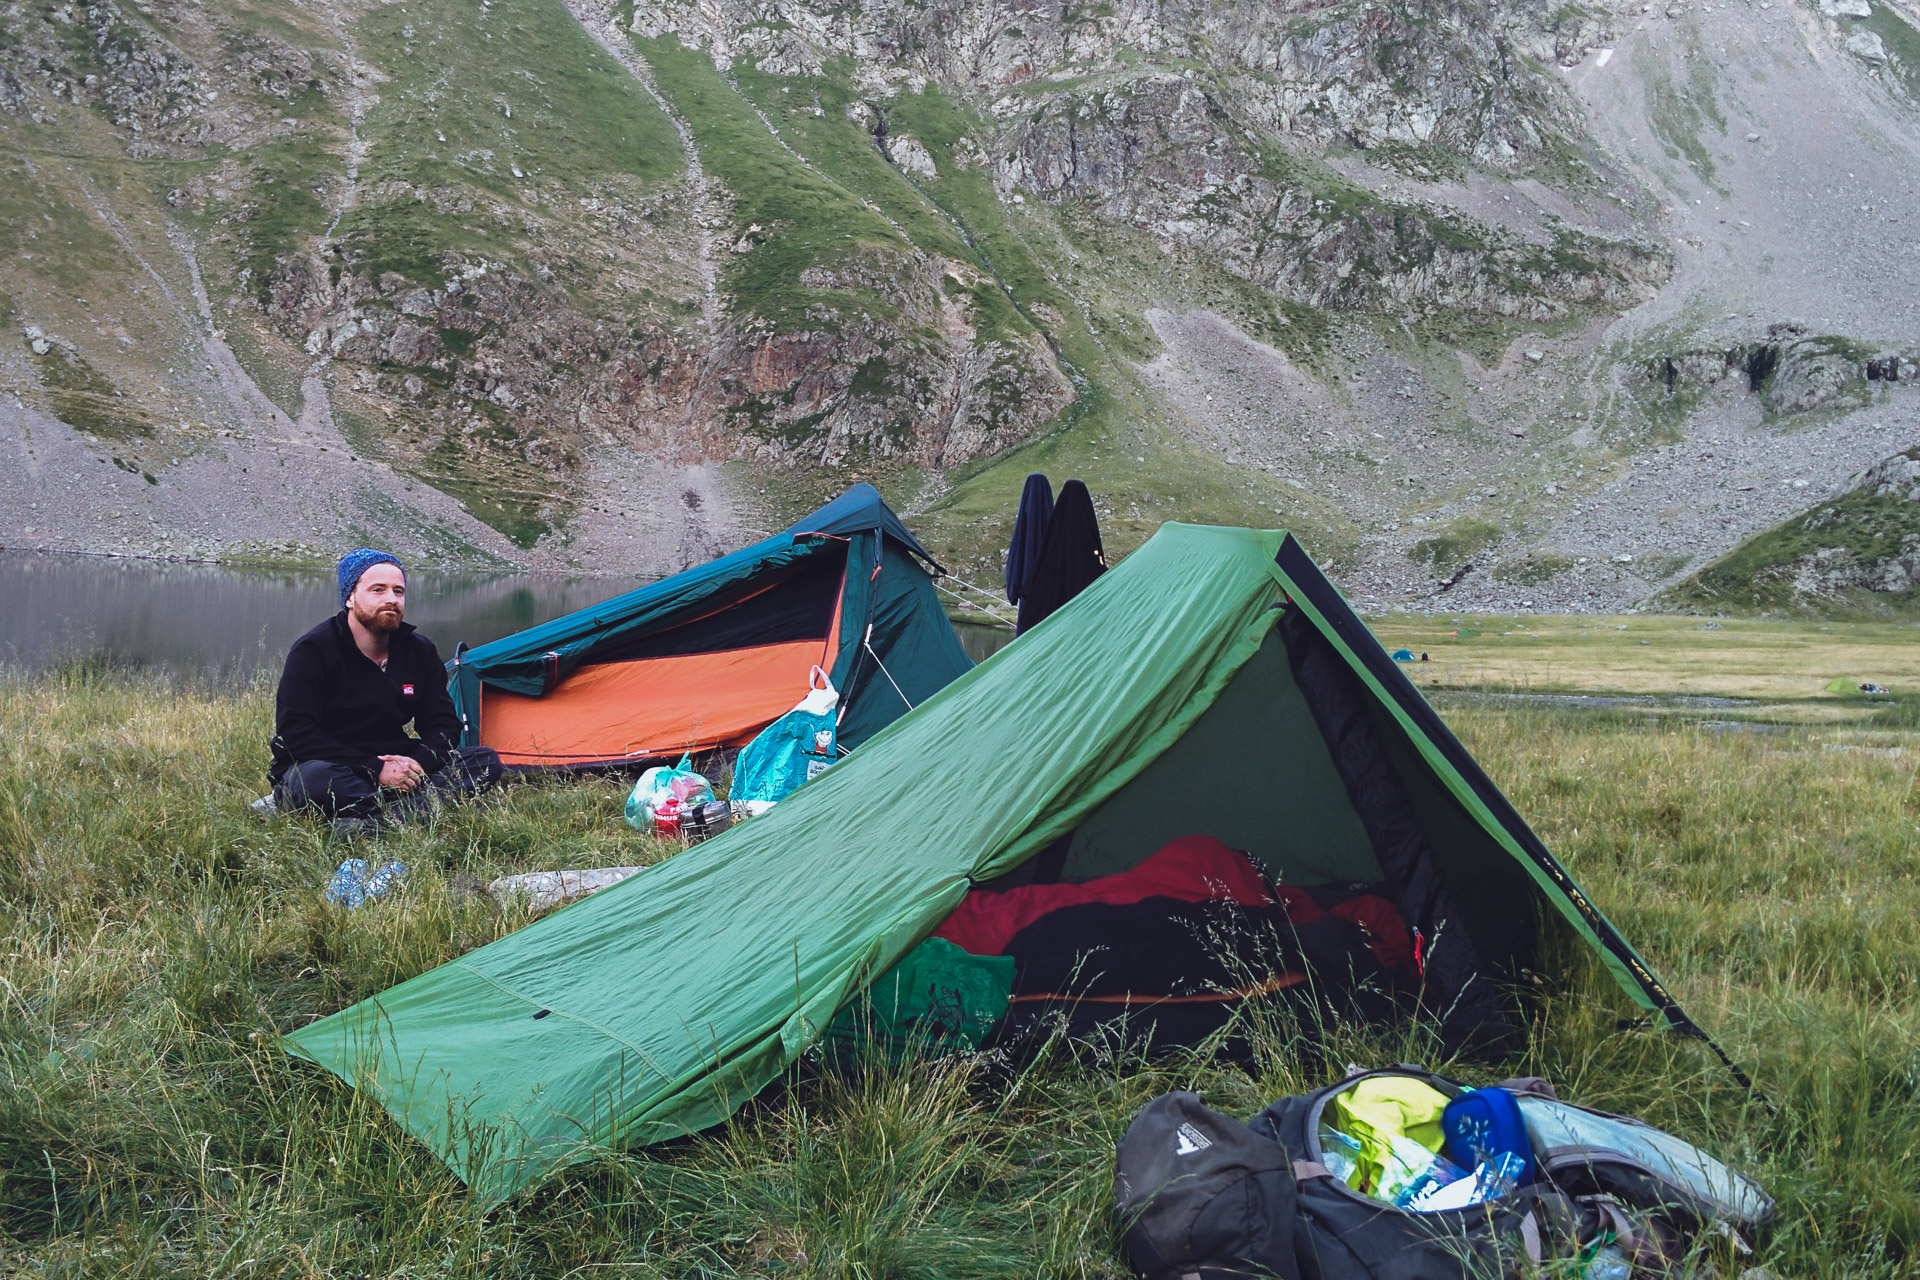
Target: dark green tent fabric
[(657, 1007), (896, 647)]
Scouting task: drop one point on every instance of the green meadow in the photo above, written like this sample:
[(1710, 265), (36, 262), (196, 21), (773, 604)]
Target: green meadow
[(1755, 836)]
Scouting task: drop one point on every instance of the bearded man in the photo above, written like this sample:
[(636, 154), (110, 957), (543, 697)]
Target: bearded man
[(350, 687)]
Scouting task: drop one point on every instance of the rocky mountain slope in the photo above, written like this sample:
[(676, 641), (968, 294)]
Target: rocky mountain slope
[(1495, 304), (1857, 554)]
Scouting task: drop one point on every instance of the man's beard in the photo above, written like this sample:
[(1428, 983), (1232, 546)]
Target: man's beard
[(385, 617)]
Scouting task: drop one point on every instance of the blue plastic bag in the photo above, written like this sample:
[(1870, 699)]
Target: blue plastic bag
[(798, 746)]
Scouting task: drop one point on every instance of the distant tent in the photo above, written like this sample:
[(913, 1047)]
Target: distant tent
[(1403, 655), (709, 657), (659, 1006)]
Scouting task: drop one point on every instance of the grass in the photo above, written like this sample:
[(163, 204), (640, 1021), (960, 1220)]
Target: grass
[(83, 397), (157, 938), (808, 219), (1465, 538), (1779, 663), (488, 108), (1900, 39)]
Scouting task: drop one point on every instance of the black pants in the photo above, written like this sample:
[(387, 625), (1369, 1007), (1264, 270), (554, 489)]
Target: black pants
[(339, 792)]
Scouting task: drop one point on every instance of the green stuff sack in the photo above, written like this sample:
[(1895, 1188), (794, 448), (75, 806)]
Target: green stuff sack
[(938, 1000)]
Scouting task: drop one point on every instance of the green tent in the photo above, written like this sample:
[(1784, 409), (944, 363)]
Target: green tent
[(1215, 666), (710, 656)]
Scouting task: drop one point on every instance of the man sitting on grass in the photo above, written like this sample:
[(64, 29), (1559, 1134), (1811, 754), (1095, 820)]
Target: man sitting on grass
[(350, 686)]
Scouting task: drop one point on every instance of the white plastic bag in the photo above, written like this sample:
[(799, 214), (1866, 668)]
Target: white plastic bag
[(663, 795)]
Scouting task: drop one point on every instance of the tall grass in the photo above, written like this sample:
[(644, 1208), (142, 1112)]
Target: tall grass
[(157, 938)]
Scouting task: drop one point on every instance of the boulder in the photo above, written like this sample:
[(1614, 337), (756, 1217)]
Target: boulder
[(410, 344), (911, 156), (1866, 46)]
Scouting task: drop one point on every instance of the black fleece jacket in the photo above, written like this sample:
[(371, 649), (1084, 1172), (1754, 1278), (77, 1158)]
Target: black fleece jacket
[(336, 704)]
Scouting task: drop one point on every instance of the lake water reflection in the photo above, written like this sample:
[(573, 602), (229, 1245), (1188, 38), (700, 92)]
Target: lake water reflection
[(223, 620), (201, 619)]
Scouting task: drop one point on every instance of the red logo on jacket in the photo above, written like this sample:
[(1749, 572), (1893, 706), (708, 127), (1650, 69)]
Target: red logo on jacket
[(406, 691)]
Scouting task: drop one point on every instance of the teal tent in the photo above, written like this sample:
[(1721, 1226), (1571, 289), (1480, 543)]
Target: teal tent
[(709, 657), (657, 1007)]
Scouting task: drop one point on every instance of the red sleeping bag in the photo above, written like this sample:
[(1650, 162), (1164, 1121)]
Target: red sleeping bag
[(1189, 869)]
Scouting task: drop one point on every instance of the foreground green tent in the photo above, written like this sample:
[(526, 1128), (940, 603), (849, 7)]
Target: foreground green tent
[(1213, 666)]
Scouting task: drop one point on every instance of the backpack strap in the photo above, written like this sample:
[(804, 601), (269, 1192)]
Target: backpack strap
[(1625, 1234), (1530, 1238), (1304, 1170)]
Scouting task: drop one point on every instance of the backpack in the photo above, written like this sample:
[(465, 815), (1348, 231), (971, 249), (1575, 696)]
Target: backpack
[(1342, 1234), (1673, 1189), (1601, 1176), (1201, 1195)]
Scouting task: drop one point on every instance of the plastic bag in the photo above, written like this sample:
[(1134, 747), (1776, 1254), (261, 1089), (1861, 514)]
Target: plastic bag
[(663, 796), (798, 746)]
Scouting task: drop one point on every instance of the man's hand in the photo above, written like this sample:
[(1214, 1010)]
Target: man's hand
[(401, 773)]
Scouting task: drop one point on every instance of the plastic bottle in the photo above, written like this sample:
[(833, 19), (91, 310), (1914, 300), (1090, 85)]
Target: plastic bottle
[(1608, 1264), (1340, 1153)]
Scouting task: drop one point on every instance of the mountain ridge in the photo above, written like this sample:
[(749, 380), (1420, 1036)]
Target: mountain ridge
[(615, 289)]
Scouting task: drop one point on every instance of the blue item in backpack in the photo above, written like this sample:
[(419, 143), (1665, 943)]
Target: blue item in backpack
[(1480, 1124)]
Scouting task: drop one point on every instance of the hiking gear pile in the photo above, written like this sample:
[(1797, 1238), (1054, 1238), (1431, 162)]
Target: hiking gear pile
[(799, 746), (1200, 1193), (663, 797)]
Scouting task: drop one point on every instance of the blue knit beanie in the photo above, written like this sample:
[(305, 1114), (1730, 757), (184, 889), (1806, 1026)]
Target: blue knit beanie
[(355, 563)]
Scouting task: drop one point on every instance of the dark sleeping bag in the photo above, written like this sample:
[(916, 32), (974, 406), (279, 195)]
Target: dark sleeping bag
[(1171, 972)]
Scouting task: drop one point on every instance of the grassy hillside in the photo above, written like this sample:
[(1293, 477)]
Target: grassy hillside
[(158, 939), (1838, 559)]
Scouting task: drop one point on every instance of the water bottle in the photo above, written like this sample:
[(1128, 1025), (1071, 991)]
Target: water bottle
[(1608, 1264), (1340, 1153)]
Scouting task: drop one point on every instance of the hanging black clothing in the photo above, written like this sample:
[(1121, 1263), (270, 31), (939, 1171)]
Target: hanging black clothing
[(1029, 532), (1070, 557)]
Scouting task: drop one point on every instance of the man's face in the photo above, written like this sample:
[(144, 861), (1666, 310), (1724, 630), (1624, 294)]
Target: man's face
[(379, 599)]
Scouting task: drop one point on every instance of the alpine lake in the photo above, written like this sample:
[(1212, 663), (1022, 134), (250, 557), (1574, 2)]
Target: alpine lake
[(227, 623)]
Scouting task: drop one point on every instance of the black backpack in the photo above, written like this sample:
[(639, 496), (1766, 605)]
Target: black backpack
[(1257, 1201), (1200, 1194)]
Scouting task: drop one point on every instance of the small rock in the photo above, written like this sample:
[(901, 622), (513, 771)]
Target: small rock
[(1758, 1273), (1866, 46), (1846, 8), (911, 156), (40, 346), (1536, 355), (1623, 558), (1753, 137), (1675, 11)]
